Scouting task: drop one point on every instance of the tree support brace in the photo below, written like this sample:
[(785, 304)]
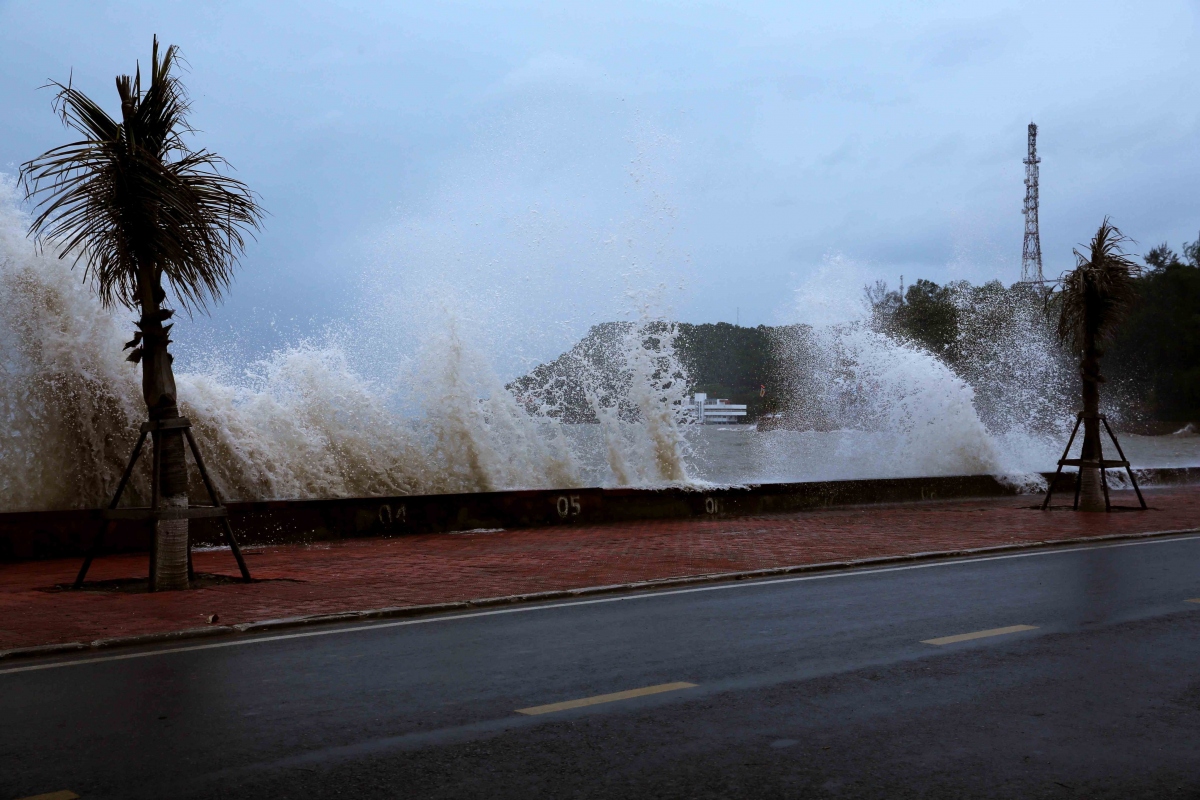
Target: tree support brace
[(154, 513), (1082, 463)]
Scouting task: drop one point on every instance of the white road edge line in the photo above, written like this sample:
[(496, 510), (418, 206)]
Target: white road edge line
[(848, 573)]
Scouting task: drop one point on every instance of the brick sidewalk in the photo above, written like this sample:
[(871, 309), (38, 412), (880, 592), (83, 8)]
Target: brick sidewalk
[(363, 574)]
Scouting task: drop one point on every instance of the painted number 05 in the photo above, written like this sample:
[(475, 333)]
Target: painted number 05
[(568, 506)]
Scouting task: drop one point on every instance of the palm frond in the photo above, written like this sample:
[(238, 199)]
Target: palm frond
[(1093, 299), (133, 203)]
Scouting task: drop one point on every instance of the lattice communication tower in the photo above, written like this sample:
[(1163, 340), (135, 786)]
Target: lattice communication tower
[(1031, 255)]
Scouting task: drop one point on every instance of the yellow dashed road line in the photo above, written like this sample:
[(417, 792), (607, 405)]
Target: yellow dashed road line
[(965, 637), (605, 698)]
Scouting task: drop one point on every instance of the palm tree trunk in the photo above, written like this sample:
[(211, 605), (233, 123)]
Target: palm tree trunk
[(1091, 493), (158, 389)]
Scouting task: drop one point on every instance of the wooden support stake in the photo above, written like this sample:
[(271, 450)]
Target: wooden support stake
[(156, 437), (1097, 463), (1128, 467), (154, 513), (216, 501), (1103, 474), (107, 527), (1066, 452)]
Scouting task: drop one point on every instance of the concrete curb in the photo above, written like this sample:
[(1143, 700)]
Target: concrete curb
[(155, 638), (396, 612), (43, 650)]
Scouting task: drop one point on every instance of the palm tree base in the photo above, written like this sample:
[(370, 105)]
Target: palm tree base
[(170, 556), (171, 548), (1091, 492), (1091, 485)]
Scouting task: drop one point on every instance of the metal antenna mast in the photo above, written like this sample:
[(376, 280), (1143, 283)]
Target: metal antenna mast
[(1031, 255)]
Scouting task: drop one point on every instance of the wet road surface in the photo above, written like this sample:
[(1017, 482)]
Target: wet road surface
[(1057, 673)]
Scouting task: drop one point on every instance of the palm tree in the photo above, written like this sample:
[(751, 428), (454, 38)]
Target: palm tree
[(1091, 301), (134, 204)]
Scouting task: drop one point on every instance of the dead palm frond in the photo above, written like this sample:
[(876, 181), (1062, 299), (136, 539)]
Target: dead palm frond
[(1096, 296), (133, 202)]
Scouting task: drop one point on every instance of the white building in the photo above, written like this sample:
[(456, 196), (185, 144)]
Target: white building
[(716, 411)]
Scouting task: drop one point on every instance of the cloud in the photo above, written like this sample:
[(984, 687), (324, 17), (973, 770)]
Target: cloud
[(554, 69), (830, 294), (891, 133)]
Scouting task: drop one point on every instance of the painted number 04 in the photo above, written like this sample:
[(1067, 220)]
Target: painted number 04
[(387, 517)]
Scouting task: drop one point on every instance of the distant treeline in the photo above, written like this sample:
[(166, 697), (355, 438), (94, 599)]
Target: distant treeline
[(1159, 348), (1153, 364), (987, 334), (732, 362)]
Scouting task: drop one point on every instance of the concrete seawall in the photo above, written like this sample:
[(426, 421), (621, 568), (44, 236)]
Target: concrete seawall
[(54, 534)]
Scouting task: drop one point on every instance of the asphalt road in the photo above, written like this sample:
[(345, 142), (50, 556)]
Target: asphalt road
[(813, 686)]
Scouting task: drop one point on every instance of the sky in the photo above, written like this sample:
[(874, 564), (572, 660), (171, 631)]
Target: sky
[(547, 166)]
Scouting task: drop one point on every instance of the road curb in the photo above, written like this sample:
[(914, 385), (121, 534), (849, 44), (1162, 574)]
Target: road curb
[(394, 612), (167, 636), (43, 650)]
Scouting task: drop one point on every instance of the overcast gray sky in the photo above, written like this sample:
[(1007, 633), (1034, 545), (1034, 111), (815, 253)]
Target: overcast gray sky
[(560, 155)]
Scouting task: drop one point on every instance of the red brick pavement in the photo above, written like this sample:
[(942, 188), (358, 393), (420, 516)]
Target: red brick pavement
[(375, 573)]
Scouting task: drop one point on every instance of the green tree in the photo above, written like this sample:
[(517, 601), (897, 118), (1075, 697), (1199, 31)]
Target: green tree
[(135, 204), (732, 362), (1092, 300), (1157, 350), (927, 315)]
